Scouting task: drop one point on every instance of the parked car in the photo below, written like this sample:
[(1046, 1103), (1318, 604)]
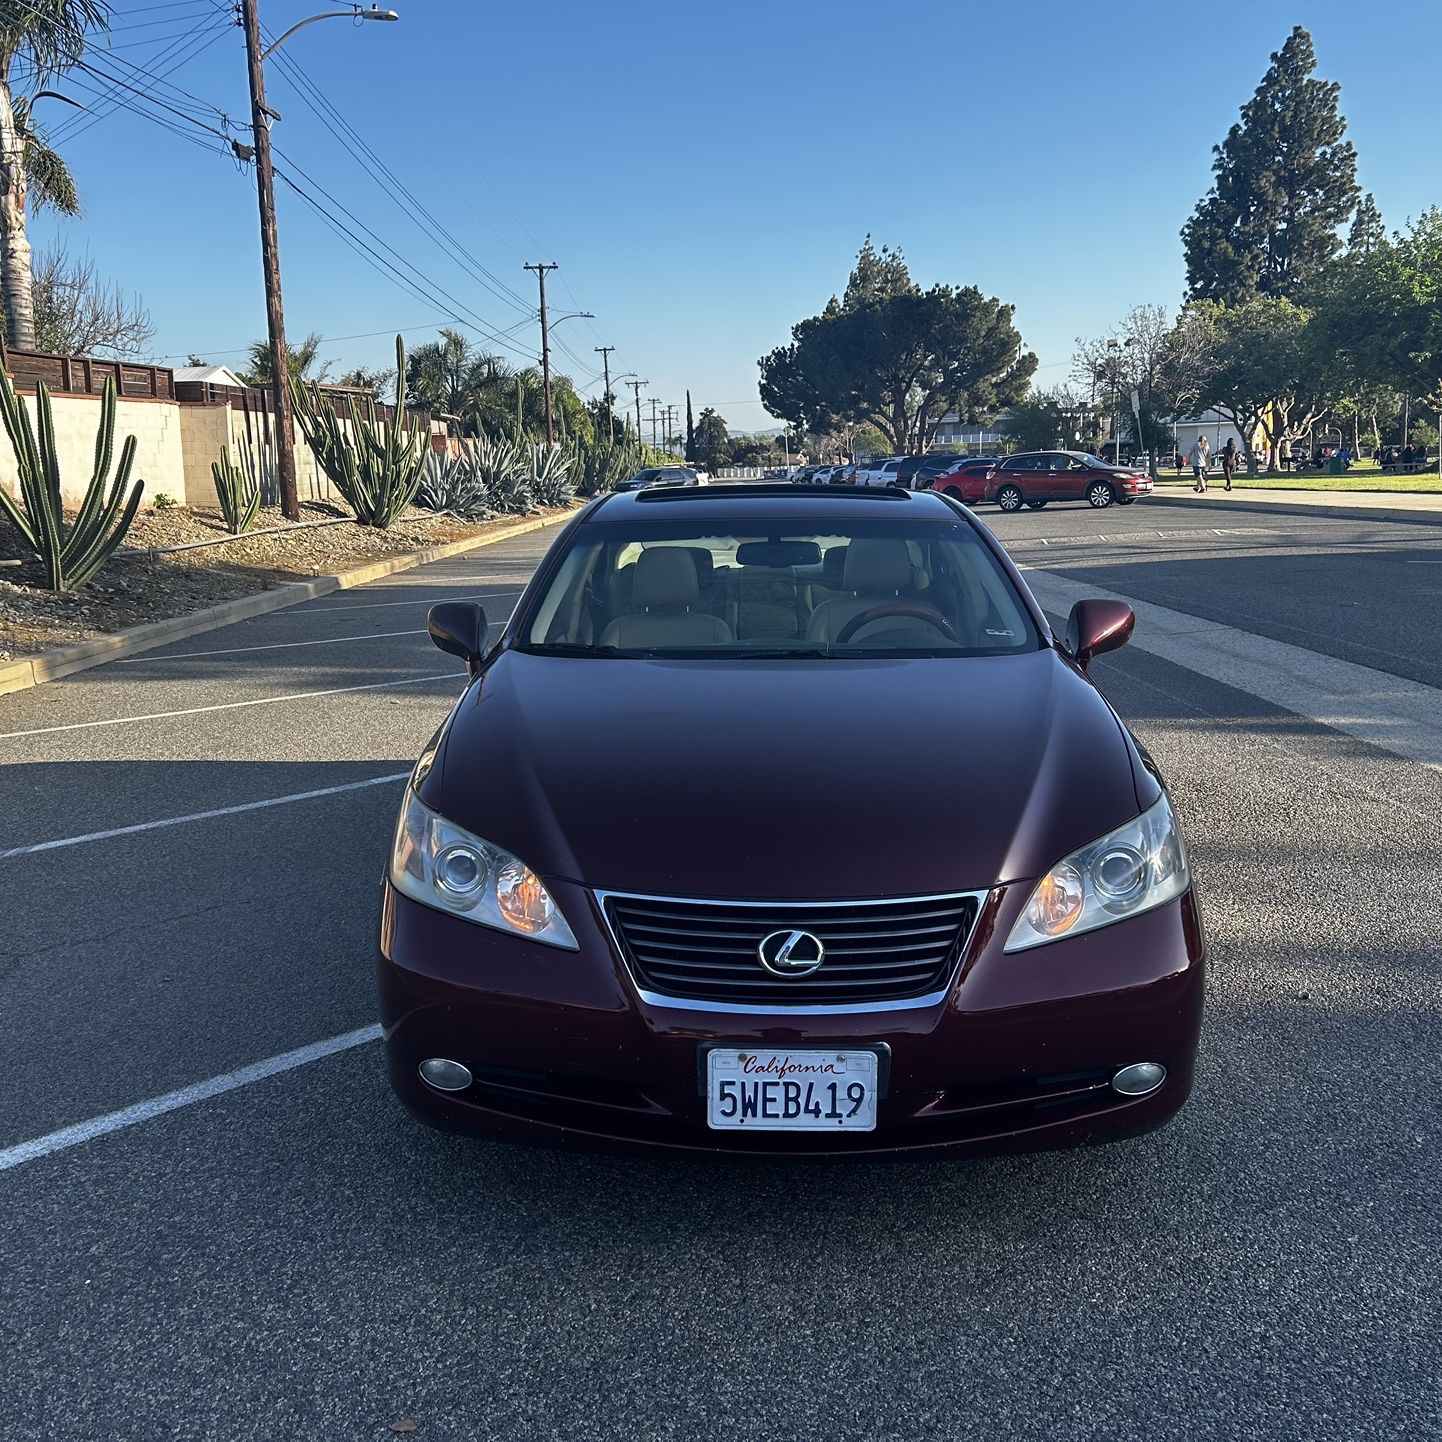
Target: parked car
[(966, 482), (881, 473), (917, 471), (719, 927), (660, 476), (1034, 478)]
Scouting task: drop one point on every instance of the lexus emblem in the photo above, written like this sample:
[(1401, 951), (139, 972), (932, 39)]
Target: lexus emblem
[(791, 953)]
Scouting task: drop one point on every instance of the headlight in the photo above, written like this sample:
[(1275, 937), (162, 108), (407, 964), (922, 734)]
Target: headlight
[(1137, 867), (439, 864)]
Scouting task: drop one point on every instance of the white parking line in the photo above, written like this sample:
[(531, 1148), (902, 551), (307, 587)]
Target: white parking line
[(73, 1136), (380, 605), (269, 646), (65, 841), (226, 706)]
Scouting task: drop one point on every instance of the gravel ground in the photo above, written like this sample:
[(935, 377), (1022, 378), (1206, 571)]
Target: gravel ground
[(136, 588)]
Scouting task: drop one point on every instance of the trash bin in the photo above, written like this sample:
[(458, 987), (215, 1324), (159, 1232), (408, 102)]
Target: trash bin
[(1334, 466)]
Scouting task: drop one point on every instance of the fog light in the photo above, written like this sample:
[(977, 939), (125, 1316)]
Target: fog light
[(1140, 1079), (445, 1076)]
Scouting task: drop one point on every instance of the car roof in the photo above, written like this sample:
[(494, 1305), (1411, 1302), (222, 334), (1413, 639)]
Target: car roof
[(786, 502)]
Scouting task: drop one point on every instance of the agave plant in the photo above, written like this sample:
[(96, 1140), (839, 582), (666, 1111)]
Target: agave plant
[(550, 482), (376, 464), (456, 484), (237, 488), (71, 557)]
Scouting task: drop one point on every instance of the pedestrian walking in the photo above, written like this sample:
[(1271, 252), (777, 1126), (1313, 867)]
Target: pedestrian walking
[(1201, 458), (1229, 462)]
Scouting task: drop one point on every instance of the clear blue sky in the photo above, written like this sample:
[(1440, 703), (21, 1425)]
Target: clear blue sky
[(704, 173)]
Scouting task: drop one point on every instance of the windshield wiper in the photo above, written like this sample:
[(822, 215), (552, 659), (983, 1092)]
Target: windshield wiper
[(790, 654), (568, 648)]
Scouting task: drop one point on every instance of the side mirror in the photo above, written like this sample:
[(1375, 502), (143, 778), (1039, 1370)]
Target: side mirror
[(459, 627), (1098, 626)]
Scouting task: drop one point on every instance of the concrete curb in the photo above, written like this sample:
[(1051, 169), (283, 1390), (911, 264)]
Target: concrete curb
[(66, 660)]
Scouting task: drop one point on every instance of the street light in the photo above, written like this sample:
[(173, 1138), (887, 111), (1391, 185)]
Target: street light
[(354, 13), (260, 117)]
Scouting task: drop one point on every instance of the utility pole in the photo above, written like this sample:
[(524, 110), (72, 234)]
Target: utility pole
[(636, 391), (654, 404), (668, 426), (260, 116), (605, 351), (541, 268)]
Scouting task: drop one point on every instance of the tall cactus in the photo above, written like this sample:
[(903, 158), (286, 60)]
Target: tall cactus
[(70, 558), (377, 466), (237, 488)]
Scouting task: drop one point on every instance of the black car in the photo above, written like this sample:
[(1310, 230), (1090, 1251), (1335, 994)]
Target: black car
[(660, 476)]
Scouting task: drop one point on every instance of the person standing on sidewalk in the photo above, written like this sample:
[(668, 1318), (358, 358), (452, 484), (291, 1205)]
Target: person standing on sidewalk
[(1229, 462), (1201, 458)]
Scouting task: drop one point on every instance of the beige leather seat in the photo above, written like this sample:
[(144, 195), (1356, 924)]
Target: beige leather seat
[(665, 591), (877, 570)]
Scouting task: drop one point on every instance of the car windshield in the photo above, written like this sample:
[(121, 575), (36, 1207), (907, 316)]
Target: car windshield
[(1095, 462), (772, 588)]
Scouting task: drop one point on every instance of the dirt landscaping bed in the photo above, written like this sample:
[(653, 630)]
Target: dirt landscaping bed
[(137, 586)]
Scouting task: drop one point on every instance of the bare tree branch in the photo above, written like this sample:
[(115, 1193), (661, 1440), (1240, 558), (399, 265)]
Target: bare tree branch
[(79, 313)]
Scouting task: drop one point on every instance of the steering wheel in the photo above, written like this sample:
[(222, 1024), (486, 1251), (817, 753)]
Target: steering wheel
[(879, 612)]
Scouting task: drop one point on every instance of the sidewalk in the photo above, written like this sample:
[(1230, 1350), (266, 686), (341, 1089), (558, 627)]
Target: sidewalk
[(1344, 502)]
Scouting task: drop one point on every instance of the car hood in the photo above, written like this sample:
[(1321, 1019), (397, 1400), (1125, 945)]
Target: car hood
[(801, 779)]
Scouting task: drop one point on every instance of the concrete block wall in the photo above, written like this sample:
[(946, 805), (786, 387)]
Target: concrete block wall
[(176, 442), (158, 452)]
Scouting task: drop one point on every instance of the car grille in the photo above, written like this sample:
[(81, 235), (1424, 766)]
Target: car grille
[(706, 951)]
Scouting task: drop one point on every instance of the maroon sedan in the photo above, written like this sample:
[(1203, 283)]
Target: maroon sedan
[(1036, 477), (678, 873), (967, 482)]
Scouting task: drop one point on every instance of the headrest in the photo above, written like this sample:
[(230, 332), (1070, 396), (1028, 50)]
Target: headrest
[(877, 566), (833, 568), (705, 563), (665, 576)]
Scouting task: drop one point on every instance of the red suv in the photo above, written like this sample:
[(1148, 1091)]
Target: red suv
[(1036, 477)]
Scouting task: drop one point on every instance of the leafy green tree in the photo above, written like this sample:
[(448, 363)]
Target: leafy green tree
[(46, 38), (1380, 309), (1286, 180), (302, 360), (451, 377), (710, 444), (380, 383), (1267, 374), (897, 357), (1042, 421)]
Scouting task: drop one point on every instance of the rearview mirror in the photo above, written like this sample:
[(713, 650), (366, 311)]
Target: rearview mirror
[(1098, 626), (459, 627)]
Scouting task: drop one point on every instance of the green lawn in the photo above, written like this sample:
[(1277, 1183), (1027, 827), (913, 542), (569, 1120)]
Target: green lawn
[(1363, 477)]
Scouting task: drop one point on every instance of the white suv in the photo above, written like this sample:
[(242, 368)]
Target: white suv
[(881, 473)]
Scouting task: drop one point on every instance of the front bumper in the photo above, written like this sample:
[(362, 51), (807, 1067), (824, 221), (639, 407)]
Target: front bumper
[(1018, 1056)]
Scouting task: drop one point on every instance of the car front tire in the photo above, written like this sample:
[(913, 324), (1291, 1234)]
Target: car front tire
[(1100, 495), (1009, 498)]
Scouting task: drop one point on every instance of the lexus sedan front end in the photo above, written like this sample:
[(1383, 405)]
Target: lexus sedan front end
[(778, 822)]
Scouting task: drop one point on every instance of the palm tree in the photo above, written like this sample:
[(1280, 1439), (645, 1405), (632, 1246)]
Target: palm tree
[(451, 378), (49, 37), (301, 361)]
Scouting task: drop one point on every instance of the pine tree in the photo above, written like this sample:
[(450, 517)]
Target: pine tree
[(1367, 231), (1286, 180), (690, 429)]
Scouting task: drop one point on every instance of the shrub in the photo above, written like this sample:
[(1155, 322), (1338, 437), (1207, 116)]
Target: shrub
[(550, 482)]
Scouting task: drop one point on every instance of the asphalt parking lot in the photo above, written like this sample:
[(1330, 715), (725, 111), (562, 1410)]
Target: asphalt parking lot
[(276, 1250)]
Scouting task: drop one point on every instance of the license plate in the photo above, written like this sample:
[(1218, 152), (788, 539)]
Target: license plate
[(791, 1091)]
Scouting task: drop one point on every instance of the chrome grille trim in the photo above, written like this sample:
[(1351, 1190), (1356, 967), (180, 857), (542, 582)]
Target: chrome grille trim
[(957, 944)]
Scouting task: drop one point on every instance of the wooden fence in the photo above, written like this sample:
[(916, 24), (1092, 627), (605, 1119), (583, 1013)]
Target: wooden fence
[(83, 375)]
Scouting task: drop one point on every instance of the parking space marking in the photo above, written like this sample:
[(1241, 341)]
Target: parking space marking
[(210, 815), (270, 646), (225, 706), (302, 611), (73, 1136)]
